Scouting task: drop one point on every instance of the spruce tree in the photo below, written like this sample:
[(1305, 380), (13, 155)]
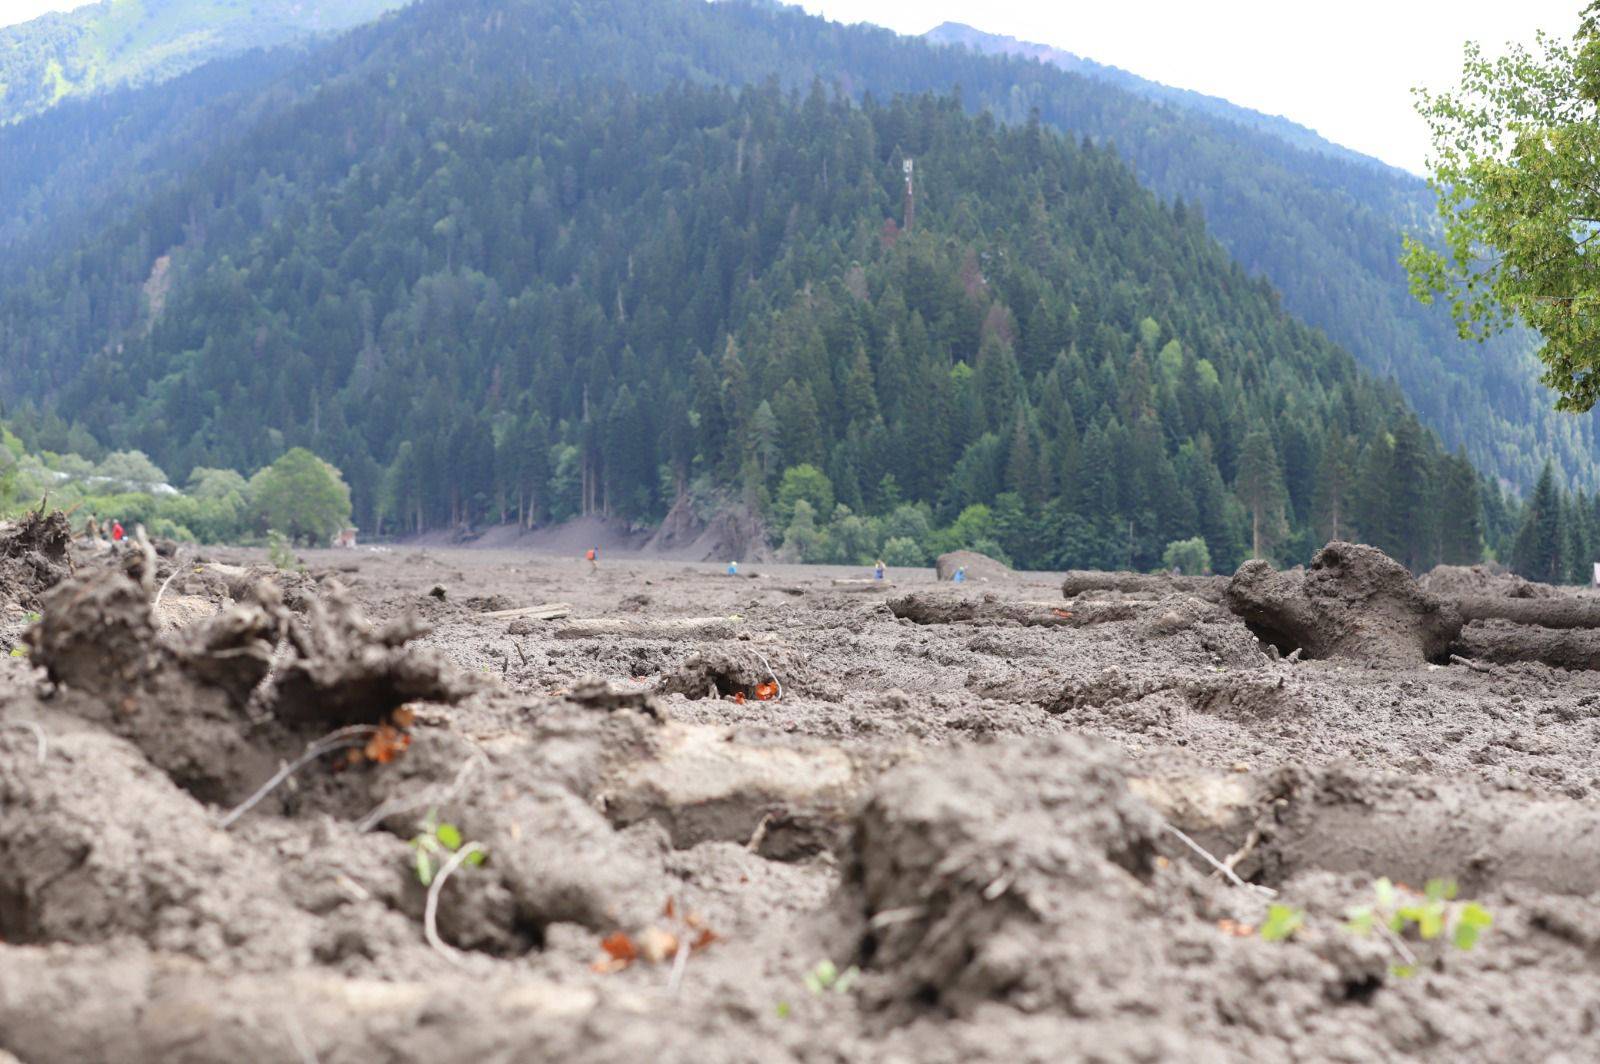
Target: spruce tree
[(1537, 552), (1259, 485)]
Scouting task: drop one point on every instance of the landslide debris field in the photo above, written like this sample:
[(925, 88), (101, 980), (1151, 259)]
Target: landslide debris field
[(678, 815)]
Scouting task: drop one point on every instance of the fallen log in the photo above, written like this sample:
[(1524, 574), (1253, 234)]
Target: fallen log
[(1504, 642), (1079, 581), (1563, 612), (932, 608), (867, 584), (644, 628), (550, 611), (1285, 823)]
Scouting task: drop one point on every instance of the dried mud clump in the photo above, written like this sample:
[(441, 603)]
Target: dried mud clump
[(1456, 581), (978, 566), (993, 875), (34, 557), (1353, 602), (346, 670), (184, 698), (724, 673)]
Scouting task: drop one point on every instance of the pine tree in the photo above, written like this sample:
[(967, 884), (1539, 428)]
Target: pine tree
[(1336, 472), (1460, 511), (1259, 486), (1537, 552)]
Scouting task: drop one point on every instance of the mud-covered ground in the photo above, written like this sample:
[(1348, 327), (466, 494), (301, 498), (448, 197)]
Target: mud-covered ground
[(698, 792)]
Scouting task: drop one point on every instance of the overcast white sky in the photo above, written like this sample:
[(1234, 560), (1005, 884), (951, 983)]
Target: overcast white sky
[(1345, 69)]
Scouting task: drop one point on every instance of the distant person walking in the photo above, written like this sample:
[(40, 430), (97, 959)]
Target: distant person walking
[(877, 570), (594, 558), (733, 568), (117, 533), (960, 577)]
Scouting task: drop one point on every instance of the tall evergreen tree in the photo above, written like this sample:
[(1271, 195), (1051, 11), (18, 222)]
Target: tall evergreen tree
[(1538, 552), (1259, 485)]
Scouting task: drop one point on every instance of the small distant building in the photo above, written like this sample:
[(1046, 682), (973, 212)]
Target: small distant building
[(346, 539)]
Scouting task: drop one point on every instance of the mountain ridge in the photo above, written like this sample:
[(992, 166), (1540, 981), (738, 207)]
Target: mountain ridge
[(1294, 133)]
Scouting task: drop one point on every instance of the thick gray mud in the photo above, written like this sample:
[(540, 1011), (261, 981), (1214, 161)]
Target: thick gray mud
[(695, 791)]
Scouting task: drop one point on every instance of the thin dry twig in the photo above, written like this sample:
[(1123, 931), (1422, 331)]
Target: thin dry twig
[(1228, 873), (1396, 943), (38, 737), (297, 1037), (354, 735), (1475, 666), (430, 915), (1233, 859), (679, 961), (778, 696), (432, 795), (177, 567)]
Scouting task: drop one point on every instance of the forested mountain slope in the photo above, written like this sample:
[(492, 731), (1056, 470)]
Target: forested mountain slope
[(484, 293), (113, 43), (1323, 229)]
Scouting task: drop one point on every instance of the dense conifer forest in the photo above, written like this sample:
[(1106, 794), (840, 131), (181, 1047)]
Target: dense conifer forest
[(1321, 226)]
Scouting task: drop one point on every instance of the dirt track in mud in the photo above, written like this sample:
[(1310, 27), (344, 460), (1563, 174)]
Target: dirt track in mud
[(966, 792)]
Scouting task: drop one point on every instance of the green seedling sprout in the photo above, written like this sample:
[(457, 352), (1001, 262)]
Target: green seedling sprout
[(826, 977), (435, 842), (1282, 922), (1433, 916)]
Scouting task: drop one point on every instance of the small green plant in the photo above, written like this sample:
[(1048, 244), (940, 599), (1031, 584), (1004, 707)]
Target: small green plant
[(1433, 915), (783, 1010), (434, 843), (19, 652), (1282, 922), (279, 551), (35, 618), (826, 977)]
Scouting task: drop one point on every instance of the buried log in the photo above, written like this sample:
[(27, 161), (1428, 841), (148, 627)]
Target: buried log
[(640, 628), (550, 611), (1562, 612), (1504, 642), (1079, 581), (935, 608), (1342, 820)]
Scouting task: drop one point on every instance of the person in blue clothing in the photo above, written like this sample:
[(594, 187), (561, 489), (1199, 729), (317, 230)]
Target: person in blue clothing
[(960, 577), (733, 568), (877, 570)]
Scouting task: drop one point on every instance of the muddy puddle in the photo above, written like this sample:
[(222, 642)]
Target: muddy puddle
[(475, 805)]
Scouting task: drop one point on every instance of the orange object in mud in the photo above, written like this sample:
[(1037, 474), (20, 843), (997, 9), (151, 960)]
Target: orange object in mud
[(765, 692)]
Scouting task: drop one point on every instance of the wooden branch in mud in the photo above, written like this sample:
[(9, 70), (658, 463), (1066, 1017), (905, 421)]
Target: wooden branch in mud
[(1079, 581), (864, 584), (644, 628), (550, 611), (1562, 612), (1504, 642)]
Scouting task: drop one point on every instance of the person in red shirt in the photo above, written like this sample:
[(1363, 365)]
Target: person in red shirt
[(116, 532)]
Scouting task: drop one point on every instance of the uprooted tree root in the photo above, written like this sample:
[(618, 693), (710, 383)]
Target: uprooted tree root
[(186, 698), (35, 555)]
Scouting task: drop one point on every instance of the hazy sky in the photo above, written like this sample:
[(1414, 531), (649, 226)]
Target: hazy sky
[(1344, 69)]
